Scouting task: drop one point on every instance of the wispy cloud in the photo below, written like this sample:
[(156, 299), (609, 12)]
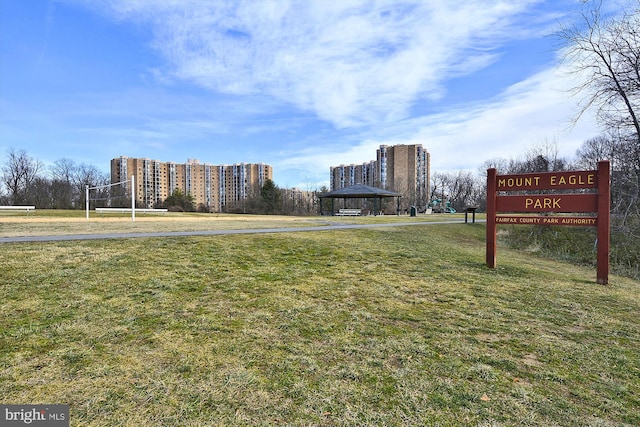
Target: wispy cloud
[(349, 62), (531, 112)]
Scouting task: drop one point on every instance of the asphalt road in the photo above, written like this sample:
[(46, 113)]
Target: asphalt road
[(71, 237)]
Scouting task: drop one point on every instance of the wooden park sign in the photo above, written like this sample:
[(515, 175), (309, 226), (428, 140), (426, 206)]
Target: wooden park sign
[(500, 202)]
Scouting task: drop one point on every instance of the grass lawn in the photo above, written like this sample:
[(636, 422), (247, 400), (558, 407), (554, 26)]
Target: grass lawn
[(396, 326)]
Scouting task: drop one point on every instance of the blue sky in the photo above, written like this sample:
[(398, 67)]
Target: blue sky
[(300, 85)]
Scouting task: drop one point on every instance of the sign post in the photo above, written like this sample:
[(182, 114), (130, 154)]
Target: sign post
[(536, 195), (604, 221), (491, 217)]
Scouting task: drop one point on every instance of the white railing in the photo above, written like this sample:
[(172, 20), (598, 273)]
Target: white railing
[(126, 210), (18, 208)]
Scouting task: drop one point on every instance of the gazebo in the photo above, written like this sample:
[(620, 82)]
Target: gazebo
[(360, 191)]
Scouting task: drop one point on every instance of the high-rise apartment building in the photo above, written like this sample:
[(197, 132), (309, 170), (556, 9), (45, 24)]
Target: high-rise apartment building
[(213, 186), (402, 168)]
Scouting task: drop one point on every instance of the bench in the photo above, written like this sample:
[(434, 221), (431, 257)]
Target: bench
[(18, 208), (349, 212), (125, 210)]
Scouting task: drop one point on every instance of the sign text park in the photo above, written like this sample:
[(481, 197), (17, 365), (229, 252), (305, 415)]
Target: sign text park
[(536, 193)]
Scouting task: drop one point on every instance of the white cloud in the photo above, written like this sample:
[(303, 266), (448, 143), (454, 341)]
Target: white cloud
[(531, 112), (349, 62)]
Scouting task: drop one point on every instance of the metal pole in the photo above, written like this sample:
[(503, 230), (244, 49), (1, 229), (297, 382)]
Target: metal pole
[(86, 198), (604, 226), (133, 198), (491, 217)]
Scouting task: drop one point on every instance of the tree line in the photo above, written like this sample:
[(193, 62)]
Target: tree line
[(25, 180), (268, 200)]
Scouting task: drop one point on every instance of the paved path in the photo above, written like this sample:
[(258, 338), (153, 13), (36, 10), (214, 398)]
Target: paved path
[(69, 237)]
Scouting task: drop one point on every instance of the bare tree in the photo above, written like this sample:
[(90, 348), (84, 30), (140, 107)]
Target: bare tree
[(625, 182), (18, 173), (89, 175), (63, 172), (502, 165), (607, 51), (438, 185), (544, 157), (460, 189), (40, 193), (594, 150)]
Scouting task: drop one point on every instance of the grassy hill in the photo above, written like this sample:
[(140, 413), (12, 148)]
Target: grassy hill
[(398, 326)]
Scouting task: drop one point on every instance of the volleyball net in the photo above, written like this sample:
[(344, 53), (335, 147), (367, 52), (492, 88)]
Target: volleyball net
[(117, 196)]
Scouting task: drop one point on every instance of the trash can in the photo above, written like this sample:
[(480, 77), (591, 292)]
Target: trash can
[(413, 211)]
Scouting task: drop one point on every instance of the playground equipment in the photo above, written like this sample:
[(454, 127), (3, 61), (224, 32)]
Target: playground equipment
[(438, 206)]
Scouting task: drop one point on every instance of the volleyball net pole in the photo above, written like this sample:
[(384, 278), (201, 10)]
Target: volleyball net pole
[(86, 199), (133, 198)]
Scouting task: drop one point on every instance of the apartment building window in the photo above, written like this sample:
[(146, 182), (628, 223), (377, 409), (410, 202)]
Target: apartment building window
[(172, 177), (157, 183), (188, 173), (123, 172), (383, 166), (207, 183)]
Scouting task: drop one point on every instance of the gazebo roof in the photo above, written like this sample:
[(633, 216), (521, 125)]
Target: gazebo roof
[(359, 191)]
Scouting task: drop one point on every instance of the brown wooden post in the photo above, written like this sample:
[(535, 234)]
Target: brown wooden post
[(491, 217), (604, 206)]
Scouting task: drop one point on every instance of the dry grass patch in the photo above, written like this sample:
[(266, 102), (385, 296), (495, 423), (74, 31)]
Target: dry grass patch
[(401, 326), (53, 222), (76, 223)]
